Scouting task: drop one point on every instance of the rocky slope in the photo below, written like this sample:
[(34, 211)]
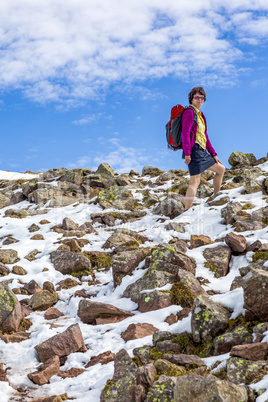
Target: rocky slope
[(110, 291)]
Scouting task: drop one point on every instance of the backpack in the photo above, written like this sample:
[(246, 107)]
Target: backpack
[(174, 127)]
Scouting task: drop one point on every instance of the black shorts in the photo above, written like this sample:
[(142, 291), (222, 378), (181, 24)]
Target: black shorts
[(200, 160)]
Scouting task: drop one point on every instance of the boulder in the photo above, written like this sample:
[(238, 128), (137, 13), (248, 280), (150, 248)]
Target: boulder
[(95, 313), (169, 207), (139, 330), (229, 212), (245, 371), (261, 215), (188, 361), (208, 319), (71, 373), (237, 159), (217, 260), (166, 257), (45, 371), (151, 171), (105, 170), (117, 197), (125, 262), (255, 285), (10, 310), (238, 336), (3, 270), (52, 313), (62, 345), (124, 382), (124, 239), (4, 201), (251, 351), (237, 243), (162, 389), (177, 226), (102, 358), (43, 300), (155, 300), (199, 240), (8, 256), (245, 226), (67, 262), (198, 388), (151, 280)]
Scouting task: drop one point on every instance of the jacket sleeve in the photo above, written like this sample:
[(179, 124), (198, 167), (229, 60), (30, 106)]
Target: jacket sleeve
[(209, 147), (187, 122)]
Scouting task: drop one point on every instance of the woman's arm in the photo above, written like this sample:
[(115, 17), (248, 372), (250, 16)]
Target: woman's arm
[(187, 122)]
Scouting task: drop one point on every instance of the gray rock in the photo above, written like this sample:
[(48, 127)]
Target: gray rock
[(209, 319), (241, 158), (231, 209), (255, 285), (245, 371), (67, 262), (197, 388), (162, 390), (8, 256), (218, 259), (125, 262)]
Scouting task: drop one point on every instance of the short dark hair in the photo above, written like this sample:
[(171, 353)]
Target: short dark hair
[(196, 90)]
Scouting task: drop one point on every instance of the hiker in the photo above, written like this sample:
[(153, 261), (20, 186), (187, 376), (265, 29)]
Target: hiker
[(195, 144)]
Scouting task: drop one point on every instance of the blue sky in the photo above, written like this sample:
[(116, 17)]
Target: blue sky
[(89, 81)]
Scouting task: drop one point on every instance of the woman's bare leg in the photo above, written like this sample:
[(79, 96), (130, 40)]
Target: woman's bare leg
[(191, 191), (219, 169)]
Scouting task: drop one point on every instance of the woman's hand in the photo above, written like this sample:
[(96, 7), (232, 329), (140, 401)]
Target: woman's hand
[(217, 160), (187, 159)]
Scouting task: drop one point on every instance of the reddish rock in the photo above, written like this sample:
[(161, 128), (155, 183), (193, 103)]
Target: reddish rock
[(31, 288), (136, 331), (255, 246), (102, 358), (99, 313), (184, 360), (155, 300), (52, 313), (124, 263), (45, 371), (82, 293), (62, 345), (237, 243), (251, 351), (198, 241), (73, 372), (171, 319)]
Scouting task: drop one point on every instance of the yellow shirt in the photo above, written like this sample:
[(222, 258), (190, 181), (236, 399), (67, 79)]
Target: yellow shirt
[(200, 134)]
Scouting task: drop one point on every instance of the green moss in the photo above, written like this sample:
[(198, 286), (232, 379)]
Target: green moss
[(79, 274), (109, 383), (181, 295), (99, 261), (155, 354), (25, 324), (137, 361), (248, 205), (188, 346), (213, 268), (260, 255)]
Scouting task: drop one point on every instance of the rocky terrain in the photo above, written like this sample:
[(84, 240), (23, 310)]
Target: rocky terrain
[(109, 291)]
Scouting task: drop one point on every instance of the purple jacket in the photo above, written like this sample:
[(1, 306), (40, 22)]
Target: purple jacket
[(188, 140)]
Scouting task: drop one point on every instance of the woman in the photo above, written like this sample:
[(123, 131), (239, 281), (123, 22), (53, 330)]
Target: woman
[(195, 144)]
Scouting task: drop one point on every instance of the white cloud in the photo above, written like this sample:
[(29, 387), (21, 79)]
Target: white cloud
[(68, 51)]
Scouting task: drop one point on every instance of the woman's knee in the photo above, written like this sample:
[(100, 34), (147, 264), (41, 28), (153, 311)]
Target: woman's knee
[(195, 181)]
